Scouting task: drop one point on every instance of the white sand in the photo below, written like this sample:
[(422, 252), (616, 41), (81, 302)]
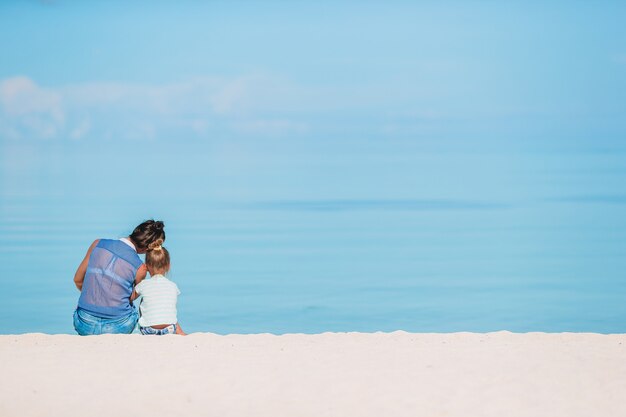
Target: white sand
[(331, 374)]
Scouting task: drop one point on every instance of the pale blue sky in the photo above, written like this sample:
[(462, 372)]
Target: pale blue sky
[(274, 98), (273, 67)]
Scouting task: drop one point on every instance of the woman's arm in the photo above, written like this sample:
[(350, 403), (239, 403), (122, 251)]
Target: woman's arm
[(139, 276), (141, 273), (79, 276)]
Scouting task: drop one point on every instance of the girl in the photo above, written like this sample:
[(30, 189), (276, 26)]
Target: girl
[(105, 279), (159, 294)]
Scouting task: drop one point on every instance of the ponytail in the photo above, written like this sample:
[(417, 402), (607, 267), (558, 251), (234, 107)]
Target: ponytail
[(157, 257)]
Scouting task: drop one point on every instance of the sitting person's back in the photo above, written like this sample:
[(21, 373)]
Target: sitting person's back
[(158, 313)]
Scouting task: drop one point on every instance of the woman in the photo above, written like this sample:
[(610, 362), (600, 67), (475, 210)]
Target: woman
[(106, 277)]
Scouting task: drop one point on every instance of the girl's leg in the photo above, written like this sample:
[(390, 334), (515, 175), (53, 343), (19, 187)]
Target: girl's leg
[(179, 330)]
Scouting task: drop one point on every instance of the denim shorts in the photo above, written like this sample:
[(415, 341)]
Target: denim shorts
[(87, 324), (171, 329)]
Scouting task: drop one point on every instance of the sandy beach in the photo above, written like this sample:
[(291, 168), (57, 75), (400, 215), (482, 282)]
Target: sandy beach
[(330, 374)]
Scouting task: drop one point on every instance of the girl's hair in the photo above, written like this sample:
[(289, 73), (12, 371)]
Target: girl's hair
[(157, 257), (147, 233)]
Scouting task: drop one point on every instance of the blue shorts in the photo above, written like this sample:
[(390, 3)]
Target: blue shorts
[(171, 329), (87, 324)]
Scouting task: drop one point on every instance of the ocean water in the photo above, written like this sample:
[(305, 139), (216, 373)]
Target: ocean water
[(422, 240)]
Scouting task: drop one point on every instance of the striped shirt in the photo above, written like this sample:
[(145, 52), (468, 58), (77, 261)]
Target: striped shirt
[(158, 304)]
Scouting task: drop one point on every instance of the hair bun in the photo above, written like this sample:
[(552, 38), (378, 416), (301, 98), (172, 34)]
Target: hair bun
[(147, 233)]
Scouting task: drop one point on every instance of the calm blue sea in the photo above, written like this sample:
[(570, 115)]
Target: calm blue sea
[(314, 239)]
